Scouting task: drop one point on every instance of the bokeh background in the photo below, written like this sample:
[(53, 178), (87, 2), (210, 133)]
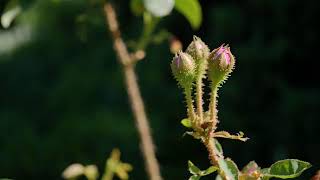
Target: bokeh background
[(62, 96)]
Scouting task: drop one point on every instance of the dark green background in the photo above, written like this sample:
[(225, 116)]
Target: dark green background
[(62, 96)]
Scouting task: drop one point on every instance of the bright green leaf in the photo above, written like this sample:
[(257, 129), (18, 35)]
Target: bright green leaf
[(210, 170), (159, 8), (194, 177), (289, 168), (186, 123), (190, 9), (136, 7), (193, 169), (229, 168)]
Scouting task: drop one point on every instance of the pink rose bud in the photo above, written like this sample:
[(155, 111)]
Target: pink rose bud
[(198, 49), (221, 63), (183, 68)]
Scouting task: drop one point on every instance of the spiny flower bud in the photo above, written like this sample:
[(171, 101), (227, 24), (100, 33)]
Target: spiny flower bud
[(183, 69), (198, 49), (221, 63)]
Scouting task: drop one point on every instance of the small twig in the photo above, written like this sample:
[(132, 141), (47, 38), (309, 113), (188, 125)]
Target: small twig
[(135, 98)]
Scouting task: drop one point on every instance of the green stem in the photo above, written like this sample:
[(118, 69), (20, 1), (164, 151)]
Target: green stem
[(199, 99), (150, 22), (213, 108), (191, 113), (213, 156)]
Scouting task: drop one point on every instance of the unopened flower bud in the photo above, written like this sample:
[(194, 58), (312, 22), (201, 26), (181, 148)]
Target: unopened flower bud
[(221, 63), (200, 52), (183, 69), (198, 49)]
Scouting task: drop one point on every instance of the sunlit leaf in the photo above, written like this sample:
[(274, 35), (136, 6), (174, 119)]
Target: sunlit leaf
[(194, 177), (284, 169), (229, 168), (218, 147), (190, 9), (193, 169), (210, 170), (186, 123)]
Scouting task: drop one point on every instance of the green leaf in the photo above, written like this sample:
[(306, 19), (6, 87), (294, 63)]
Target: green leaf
[(159, 8), (193, 169), (190, 9), (11, 11), (218, 147), (229, 168), (186, 123), (136, 7), (194, 177), (210, 170), (289, 168)]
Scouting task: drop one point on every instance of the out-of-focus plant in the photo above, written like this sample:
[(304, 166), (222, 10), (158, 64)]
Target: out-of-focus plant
[(151, 11), (114, 167), (189, 69)]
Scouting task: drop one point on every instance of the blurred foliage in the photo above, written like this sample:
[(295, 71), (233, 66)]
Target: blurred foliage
[(63, 99)]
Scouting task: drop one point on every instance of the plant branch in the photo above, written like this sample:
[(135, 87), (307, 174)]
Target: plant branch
[(213, 156), (135, 98)]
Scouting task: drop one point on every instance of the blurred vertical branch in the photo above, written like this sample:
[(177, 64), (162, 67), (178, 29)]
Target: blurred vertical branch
[(128, 62)]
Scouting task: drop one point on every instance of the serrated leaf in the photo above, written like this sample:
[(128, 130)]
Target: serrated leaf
[(186, 123), (193, 169), (289, 168), (194, 177), (159, 8), (136, 7), (229, 168), (210, 170), (190, 9)]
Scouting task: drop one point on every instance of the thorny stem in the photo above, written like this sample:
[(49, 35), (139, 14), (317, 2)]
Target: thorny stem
[(213, 156), (213, 109), (191, 113), (135, 98), (209, 142), (199, 99)]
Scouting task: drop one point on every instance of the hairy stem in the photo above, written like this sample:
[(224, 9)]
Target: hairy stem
[(135, 98), (199, 98), (191, 113), (213, 156), (213, 109)]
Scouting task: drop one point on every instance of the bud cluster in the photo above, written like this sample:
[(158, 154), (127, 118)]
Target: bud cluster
[(191, 66), (196, 60)]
